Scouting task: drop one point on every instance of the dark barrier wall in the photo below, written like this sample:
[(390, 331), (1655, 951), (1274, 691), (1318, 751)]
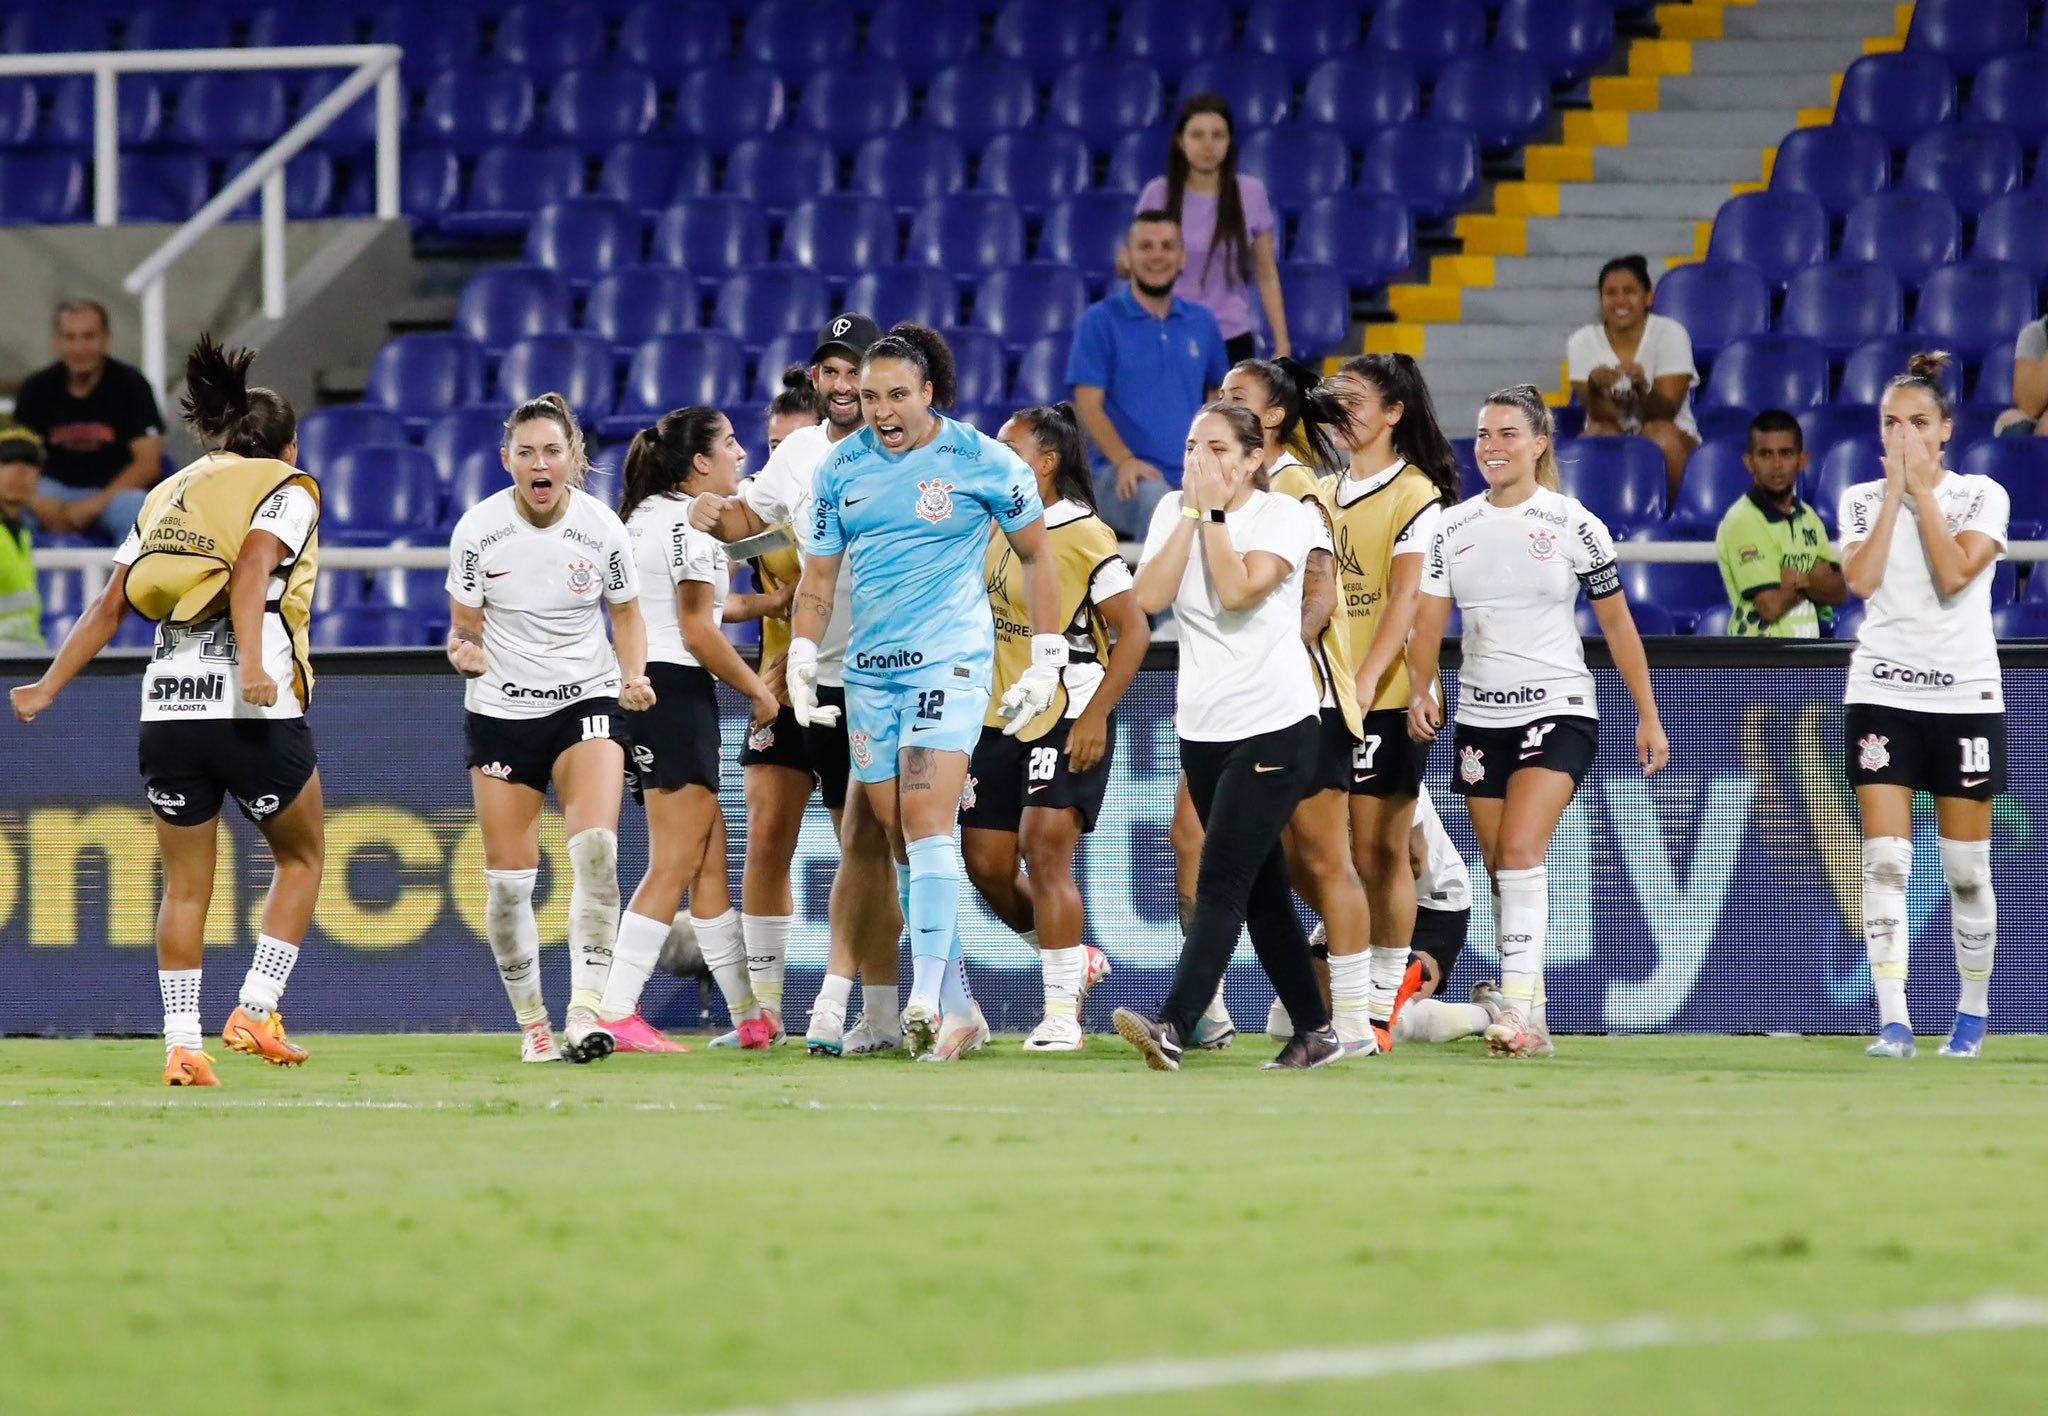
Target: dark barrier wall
[(1720, 897)]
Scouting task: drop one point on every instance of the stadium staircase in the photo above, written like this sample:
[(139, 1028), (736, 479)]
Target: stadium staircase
[(1642, 171)]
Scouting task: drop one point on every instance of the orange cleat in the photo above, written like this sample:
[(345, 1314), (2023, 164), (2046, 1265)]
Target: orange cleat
[(265, 1039), (189, 1069), (1411, 984)]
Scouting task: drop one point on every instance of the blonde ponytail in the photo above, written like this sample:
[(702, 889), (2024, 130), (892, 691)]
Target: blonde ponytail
[(1528, 400)]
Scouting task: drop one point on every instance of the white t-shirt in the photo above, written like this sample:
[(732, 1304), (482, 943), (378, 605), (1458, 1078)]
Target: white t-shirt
[(1242, 672), (667, 552), (539, 590), (194, 674), (1446, 884), (1919, 649), (781, 494), (1515, 573), (1666, 350), (1112, 578)]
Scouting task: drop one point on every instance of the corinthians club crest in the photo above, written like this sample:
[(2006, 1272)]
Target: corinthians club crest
[(934, 500), (1542, 545), (1872, 754), (582, 577), (1471, 763)]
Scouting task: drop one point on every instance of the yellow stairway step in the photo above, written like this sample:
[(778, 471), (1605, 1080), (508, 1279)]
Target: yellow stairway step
[(1486, 235), (1689, 21), (1611, 92), (1427, 304), (1652, 58), (1394, 339), (1558, 162), (1584, 128), (1526, 199), (1461, 271)]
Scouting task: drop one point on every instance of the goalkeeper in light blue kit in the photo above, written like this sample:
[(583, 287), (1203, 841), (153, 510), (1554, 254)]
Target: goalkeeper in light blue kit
[(913, 498)]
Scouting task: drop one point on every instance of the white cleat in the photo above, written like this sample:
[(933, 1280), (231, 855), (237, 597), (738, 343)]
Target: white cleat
[(920, 1028), (1058, 1033), (956, 1040), (537, 1044), (1515, 1036), (864, 1039), (584, 1038), (1278, 1025), (1894, 1042)]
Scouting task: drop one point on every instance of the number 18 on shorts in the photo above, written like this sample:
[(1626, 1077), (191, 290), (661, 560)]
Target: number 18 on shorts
[(1957, 755)]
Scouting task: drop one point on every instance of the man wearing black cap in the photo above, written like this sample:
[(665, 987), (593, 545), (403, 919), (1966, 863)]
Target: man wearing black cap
[(865, 919)]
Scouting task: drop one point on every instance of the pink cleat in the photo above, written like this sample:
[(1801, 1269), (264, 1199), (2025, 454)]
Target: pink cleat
[(1096, 971), (758, 1034), (636, 1034)]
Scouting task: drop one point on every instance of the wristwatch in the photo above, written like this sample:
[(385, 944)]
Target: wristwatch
[(1216, 515)]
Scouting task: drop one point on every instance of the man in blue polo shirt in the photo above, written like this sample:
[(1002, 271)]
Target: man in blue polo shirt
[(1142, 365)]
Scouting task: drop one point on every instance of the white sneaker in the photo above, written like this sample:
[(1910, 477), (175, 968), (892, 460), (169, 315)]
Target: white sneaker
[(537, 1044), (584, 1038), (826, 1036), (1058, 1033), (864, 1039), (1214, 1030), (1278, 1024)]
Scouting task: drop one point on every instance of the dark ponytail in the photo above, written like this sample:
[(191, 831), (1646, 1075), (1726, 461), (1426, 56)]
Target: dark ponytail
[(914, 344), (1636, 266), (1925, 370), (1057, 430), (1309, 411), (797, 395), (1417, 437), (663, 458), (227, 414)]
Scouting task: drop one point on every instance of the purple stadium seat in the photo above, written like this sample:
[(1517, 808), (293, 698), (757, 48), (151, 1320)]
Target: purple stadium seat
[(981, 365), (1964, 302), (1620, 480), (52, 29), (222, 113), (512, 182), (720, 105), (711, 237), (1432, 166), (793, 348), (599, 106), (760, 302), (1873, 364), (309, 185), (577, 366), (1503, 98), (1037, 169), (177, 26), (1768, 371), (1300, 34), (911, 167), (1258, 88), (1911, 231), (853, 101), (1681, 590), (1777, 232), (1173, 35), (163, 186), (1359, 93), (1318, 301), (1298, 162), (325, 433), (2015, 228), (777, 170), (1650, 619), (628, 307), (277, 26), (1716, 301), (677, 370), (479, 428), (840, 234), (429, 186), (1048, 37), (1022, 303), (1105, 95), (1568, 39), (1973, 164), (970, 235), (1042, 372), (670, 40), (922, 294), (2020, 622), (1967, 33), (434, 37), (421, 376), (20, 112), (1137, 157), (798, 37), (1428, 33), (979, 97), (1086, 231), (654, 175), (377, 495), (1993, 384), (41, 188), (503, 304), (1901, 95), (583, 238), (355, 131), (1841, 304), (1837, 164), (921, 37), (477, 106), (2013, 90), (2020, 465), (1831, 423), (541, 35), (1715, 479), (365, 626), (1367, 235), (139, 105)]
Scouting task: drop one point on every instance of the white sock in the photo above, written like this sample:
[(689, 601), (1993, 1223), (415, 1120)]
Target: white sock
[(1973, 915), (1434, 1020), (180, 990), (633, 960), (767, 939), (514, 937), (1351, 995), (1887, 866), (593, 913), (269, 972), (1063, 970), (878, 1004), (1524, 919), (726, 955), (1387, 967), (1218, 1011), (1030, 936), (830, 1005)]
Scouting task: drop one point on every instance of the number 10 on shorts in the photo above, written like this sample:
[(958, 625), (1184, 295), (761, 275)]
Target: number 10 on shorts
[(597, 727)]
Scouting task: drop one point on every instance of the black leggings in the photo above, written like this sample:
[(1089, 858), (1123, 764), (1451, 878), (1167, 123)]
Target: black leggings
[(1245, 792), (1243, 347)]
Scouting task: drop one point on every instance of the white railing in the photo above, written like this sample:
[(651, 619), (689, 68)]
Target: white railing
[(374, 64)]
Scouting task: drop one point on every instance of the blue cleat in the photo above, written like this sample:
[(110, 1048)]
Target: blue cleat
[(1893, 1040), (1967, 1038)]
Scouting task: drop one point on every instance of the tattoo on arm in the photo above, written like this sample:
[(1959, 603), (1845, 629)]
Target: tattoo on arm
[(470, 635), (814, 601)]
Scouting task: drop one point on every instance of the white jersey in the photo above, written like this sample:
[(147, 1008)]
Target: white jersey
[(1446, 883), (539, 590), (1084, 672), (1242, 672), (194, 673), (782, 494), (1515, 573), (666, 553), (1919, 649)]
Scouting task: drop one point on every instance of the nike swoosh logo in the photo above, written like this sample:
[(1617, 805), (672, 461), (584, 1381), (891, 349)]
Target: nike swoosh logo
[(1975, 781), (1363, 776), (494, 574), (1534, 752), (1262, 767), (1033, 791), (852, 501)]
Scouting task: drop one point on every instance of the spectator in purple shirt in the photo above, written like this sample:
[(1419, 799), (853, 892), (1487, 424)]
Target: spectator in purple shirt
[(1226, 223)]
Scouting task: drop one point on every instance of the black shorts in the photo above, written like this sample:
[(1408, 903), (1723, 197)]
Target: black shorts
[(1955, 755), (524, 750), (820, 752), (675, 743), (780, 744), (1388, 763), (1334, 749), (1441, 935), (1007, 774), (1487, 757), (190, 766)]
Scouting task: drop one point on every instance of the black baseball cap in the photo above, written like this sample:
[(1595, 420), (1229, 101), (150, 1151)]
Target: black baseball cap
[(851, 331)]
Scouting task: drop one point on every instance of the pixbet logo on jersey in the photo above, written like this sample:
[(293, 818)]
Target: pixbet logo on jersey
[(934, 501)]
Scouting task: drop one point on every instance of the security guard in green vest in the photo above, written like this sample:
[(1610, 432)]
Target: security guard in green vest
[(21, 608), (1783, 578)]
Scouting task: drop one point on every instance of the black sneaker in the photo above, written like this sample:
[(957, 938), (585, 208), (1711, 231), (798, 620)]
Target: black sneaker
[(1158, 1041), (1306, 1050)]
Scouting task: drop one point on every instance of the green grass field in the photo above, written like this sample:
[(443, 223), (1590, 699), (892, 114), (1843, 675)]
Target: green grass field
[(422, 1224)]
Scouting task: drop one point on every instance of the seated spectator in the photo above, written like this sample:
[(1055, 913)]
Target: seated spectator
[(1633, 372), (21, 610), (2029, 385), (1782, 576), (1143, 363), (102, 435)]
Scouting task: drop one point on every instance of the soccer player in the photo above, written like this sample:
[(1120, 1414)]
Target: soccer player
[(1032, 794), (866, 918), (224, 697), (528, 568), (1230, 560), (1925, 702), (910, 501), (1782, 578), (1384, 511), (1513, 560), (675, 744)]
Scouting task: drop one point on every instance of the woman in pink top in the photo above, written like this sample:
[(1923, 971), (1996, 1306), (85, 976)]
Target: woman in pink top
[(1227, 223)]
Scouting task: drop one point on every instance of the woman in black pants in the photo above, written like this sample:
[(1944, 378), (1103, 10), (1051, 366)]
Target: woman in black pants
[(1229, 558)]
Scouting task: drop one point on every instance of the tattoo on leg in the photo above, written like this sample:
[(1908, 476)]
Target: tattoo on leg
[(919, 767), (1187, 912)]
